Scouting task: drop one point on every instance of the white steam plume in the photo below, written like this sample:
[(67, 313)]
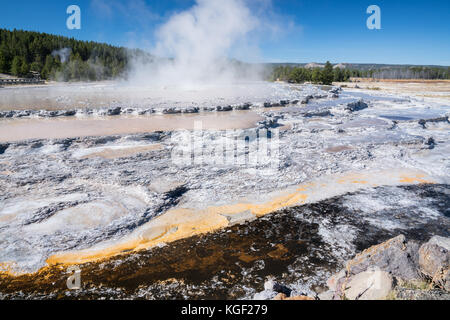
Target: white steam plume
[(198, 42), (63, 54)]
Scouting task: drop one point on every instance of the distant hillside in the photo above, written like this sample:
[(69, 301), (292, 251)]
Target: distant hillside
[(300, 72), (60, 58), (359, 66)]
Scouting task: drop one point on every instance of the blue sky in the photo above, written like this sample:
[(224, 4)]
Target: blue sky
[(413, 31)]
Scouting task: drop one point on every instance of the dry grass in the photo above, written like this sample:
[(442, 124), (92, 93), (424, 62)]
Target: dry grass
[(434, 89), (398, 80)]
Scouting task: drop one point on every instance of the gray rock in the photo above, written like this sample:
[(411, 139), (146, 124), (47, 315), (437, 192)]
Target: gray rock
[(271, 285), (270, 122), (3, 148), (307, 99), (128, 111), (24, 113), (335, 90), (224, 109), (423, 122), (146, 111), (333, 281), (191, 110), (325, 113), (434, 261), (395, 256), (441, 241), (429, 143), (327, 295), (414, 294), (48, 114), (70, 113), (10, 114), (372, 284), (114, 111), (171, 111), (356, 106), (245, 106)]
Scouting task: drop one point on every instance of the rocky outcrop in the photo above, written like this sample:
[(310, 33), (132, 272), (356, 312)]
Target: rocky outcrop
[(396, 256), (224, 109), (171, 111), (386, 270), (145, 111), (335, 90), (281, 103), (356, 106), (424, 122), (372, 284), (3, 148), (417, 294), (114, 111), (271, 285), (191, 110), (307, 99), (325, 113), (270, 122), (245, 106), (434, 261), (429, 143), (277, 291)]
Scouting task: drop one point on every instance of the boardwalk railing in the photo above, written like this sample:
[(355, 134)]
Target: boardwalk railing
[(20, 81)]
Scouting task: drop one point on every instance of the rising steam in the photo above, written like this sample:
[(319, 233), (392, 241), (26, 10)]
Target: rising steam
[(197, 44)]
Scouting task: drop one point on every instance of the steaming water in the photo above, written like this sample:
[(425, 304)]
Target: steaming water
[(26, 129), (110, 94)]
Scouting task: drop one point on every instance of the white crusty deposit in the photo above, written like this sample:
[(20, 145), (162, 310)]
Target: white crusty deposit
[(82, 198)]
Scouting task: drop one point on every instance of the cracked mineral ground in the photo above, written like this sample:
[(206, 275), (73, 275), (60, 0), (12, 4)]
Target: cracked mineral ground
[(91, 180)]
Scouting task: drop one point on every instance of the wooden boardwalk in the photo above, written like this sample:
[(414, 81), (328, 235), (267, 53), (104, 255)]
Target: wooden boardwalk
[(20, 81)]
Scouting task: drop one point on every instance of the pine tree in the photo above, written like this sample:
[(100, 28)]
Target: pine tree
[(316, 76), (15, 66), (327, 74), (3, 64), (24, 68)]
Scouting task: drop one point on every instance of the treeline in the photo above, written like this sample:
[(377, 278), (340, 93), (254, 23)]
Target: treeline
[(59, 58), (327, 75), (425, 73)]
